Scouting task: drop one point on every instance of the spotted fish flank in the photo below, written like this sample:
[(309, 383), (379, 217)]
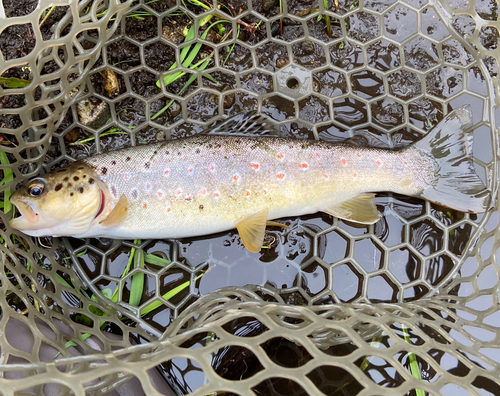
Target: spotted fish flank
[(216, 181)]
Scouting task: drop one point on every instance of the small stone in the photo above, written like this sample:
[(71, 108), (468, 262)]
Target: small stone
[(174, 109), (268, 4), (280, 62), (160, 136), (228, 100), (71, 136), (111, 85)]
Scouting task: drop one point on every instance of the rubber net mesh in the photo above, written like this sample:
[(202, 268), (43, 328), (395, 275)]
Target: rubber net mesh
[(407, 306)]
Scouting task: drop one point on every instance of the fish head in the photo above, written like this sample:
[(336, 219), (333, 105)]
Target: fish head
[(61, 203)]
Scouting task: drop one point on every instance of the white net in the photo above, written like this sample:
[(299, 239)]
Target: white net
[(407, 306)]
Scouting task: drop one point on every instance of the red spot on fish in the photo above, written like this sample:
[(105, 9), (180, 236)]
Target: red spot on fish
[(160, 194), (211, 168), (265, 191), (216, 195), (358, 155), (169, 210), (378, 163), (126, 176), (343, 161), (318, 156), (188, 198), (247, 193), (190, 170), (166, 172), (254, 165), (326, 176), (203, 191), (280, 176), (405, 163), (303, 165), (235, 178), (354, 175), (279, 156), (178, 192)]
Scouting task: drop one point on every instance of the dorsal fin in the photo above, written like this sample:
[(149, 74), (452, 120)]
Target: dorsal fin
[(245, 124)]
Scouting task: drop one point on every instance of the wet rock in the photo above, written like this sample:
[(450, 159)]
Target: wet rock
[(92, 113)]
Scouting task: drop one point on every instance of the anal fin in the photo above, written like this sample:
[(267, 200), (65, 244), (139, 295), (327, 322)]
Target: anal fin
[(118, 213), (360, 209), (252, 230)]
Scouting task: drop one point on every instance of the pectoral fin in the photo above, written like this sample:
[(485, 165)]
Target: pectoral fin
[(118, 213), (252, 230), (361, 209)]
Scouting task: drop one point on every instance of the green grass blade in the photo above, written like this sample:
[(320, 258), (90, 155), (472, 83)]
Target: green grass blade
[(13, 82), (186, 85), (8, 176), (137, 286), (414, 368), (113, 131), (167, 296), (114, 297), (155, 260)]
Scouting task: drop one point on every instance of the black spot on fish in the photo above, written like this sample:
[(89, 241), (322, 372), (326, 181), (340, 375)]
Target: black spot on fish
[(91, 181), (178, 153), (113, 162), (155, 152), (303, 146), (210, 145), (81, 189), (58, 187), (134, 194), (253, 147), (66, 178), (237, 141), (70, 185), (104, 170), (128, 159), (61, 170), (197, 151), (80, 168), (218, 145), (71, 194), (146, 165), (167, 152), (76, 178), (84, 176), (201, 207)]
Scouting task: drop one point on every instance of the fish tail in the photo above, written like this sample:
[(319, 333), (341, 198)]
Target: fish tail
[(456, 184)]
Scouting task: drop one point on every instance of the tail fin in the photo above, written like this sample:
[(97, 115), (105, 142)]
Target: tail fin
[(457, 184)]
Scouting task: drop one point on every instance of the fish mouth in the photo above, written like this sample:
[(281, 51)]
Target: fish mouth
[(102, 204), (26, 212)]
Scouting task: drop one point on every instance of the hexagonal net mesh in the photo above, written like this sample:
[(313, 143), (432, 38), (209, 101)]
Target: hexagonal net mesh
[(406, 306)]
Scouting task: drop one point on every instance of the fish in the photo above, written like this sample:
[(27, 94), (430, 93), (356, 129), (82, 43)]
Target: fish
[(240, 175)]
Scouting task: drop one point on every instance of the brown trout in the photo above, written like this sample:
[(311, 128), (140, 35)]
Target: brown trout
[(230, 178)]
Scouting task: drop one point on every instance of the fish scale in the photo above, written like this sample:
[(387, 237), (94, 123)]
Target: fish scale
[(243, 189), (221, 180)]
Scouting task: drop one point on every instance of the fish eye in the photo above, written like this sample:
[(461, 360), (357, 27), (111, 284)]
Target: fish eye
[(36, 188)]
